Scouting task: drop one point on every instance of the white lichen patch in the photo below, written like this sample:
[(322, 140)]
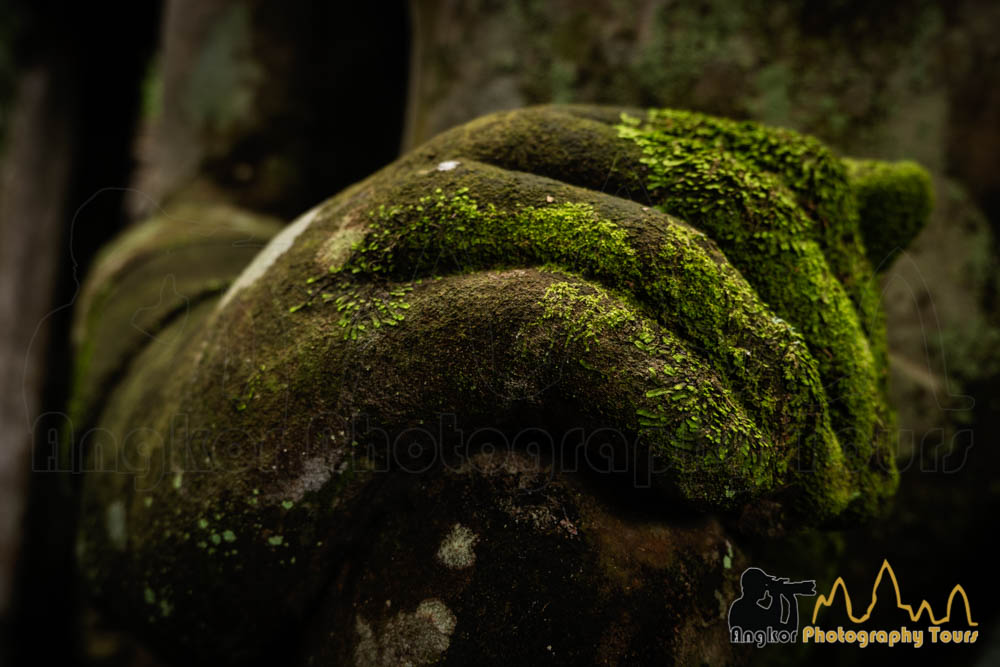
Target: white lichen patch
[(114, 523), (316, 472), (448, 165), (410, 638), (269, 255), (337, 249), (438, 614), (456, 550)]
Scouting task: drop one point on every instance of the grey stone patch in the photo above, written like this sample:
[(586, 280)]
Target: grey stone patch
[(456, 550), (410, 638), (114, 523)]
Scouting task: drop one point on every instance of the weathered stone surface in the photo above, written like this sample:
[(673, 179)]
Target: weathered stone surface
[(154, 273), (681, 302), (566, 570)]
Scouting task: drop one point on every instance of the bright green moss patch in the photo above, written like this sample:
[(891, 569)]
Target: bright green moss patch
[(669, 270), (473, 235), (691, 420), (586, 314), (780, 207), (382, 307)]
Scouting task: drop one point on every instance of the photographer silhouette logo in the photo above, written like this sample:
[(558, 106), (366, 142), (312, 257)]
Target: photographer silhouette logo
[(767, 611)]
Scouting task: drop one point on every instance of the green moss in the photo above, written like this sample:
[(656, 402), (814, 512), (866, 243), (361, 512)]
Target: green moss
[(476, 235), (670, 275), (743, 180), (894, 202), (680, 397), (587, 315), (769, 393), (251, 388), (782, 210)]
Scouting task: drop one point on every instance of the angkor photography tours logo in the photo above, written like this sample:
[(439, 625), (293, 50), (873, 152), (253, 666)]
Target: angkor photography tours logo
[(766, 612)]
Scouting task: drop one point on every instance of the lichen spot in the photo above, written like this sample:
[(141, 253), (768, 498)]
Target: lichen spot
[(409, 638), (447, 165), (337, 249), (456, 550), (438, 614), (114, 522)]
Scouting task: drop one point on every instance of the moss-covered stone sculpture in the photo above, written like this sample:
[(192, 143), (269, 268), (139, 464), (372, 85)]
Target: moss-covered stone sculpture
[(508, 373)]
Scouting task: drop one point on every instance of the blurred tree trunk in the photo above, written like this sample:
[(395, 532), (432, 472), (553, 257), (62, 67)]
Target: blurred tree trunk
[(67, 137), (272, 106), (33, 193), (896, 79)]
